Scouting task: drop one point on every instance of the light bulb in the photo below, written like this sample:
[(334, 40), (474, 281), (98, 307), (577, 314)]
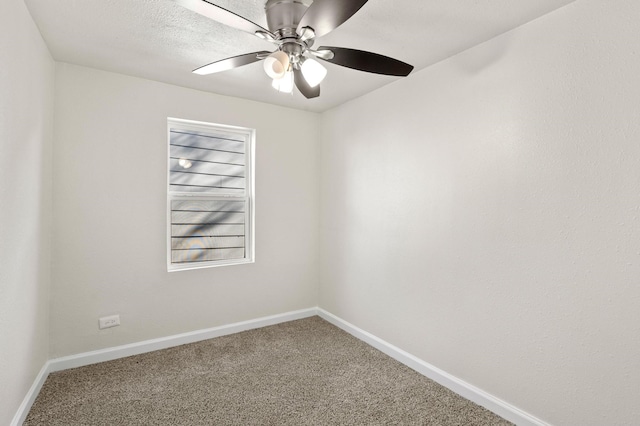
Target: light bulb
[(285, 84), (276, 64), (313, 72)]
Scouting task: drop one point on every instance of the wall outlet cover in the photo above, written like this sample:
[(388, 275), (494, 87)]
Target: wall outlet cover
[(110, 321)]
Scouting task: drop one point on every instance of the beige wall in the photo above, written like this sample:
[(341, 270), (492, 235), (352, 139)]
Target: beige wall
[(110, 213), (26, 114), (484, 214)]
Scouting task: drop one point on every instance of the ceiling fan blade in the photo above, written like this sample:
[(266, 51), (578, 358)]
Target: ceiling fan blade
[(230, 63), (324, 16), (366, 61), (304, 88), (224, 16)]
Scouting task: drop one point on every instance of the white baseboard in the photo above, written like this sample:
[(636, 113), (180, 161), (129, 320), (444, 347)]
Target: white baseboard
[(108, 354), (33, 392), (466, 390), (116, 352), (458, 386)]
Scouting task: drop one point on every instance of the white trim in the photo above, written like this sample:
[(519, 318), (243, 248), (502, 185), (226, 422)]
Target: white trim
[(30, 397), (116, 352), (108, 354), (466, 390)]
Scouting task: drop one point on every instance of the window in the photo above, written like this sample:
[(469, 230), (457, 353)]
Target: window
[(210, 195)]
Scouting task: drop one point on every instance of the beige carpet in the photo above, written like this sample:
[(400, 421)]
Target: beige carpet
[(304, 372)]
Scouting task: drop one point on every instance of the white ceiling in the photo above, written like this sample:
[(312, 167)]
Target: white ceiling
[(160, 40)]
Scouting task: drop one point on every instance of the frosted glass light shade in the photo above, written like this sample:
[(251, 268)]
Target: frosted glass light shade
[(313, 72), (284, 84), (276, 64)]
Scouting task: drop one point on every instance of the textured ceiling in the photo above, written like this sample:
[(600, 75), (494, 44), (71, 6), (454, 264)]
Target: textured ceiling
[(160, 40)]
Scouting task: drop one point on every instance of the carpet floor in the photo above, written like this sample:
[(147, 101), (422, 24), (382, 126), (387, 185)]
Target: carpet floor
[(304, 372)]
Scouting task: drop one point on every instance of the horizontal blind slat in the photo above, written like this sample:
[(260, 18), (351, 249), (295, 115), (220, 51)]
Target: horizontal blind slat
[(206, 190), (212, 141), (217, 230), (187, 243), (194, 179), (186, 217), (204, 155), (208, 168), (208, 205), (203, 255)]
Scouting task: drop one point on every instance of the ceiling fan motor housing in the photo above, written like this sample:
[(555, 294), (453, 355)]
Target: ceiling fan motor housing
[(283, 16)]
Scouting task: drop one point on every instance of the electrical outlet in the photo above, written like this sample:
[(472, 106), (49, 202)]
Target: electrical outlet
[(110, 321)]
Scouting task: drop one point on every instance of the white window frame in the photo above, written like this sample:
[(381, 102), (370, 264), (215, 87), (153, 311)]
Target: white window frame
[(248, 197)]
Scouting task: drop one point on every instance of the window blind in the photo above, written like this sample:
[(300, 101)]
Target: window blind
[(207, 230), (206, 163), (209, 203)]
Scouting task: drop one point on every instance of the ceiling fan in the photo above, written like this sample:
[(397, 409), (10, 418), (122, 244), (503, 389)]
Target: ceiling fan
[(293, 27)]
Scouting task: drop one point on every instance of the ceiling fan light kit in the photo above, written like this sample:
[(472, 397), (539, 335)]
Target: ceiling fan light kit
[(293, 27), (284, 84), (276, 64), (313, 71)]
